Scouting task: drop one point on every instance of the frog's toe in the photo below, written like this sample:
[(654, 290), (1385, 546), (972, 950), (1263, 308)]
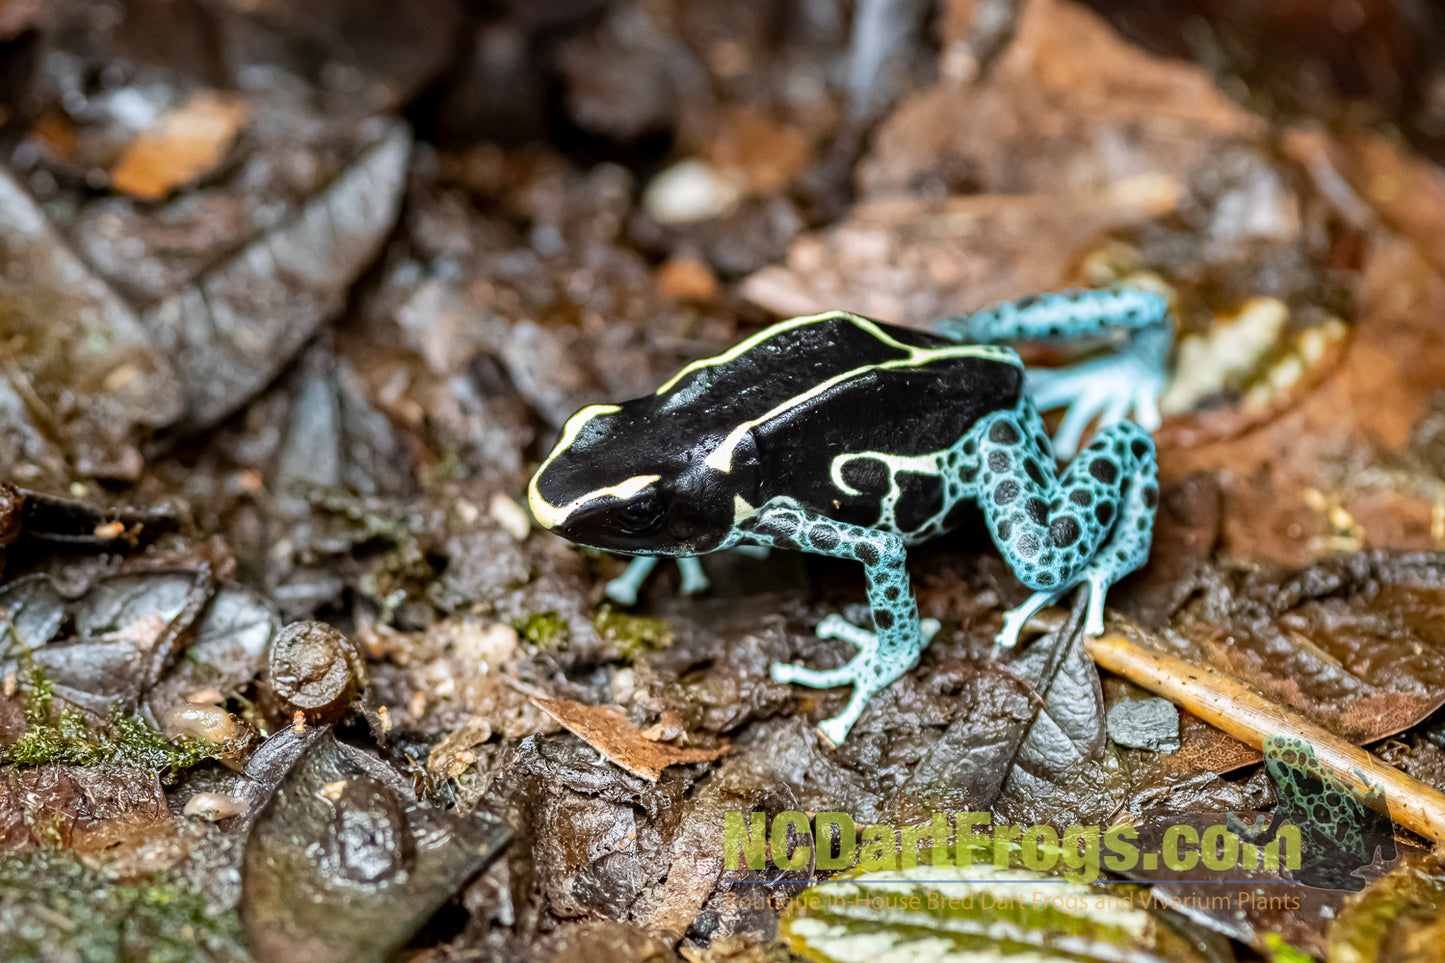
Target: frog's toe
[(837, 627), (1098, 589), (786, 672), (1110, 389), (1015, 619), (622, 591), (694, 579), (835, 730)]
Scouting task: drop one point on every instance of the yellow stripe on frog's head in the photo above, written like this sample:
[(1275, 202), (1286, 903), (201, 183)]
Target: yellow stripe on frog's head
[(549, 515)]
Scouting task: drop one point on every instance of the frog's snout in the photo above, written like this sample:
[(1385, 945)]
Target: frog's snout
[(542, 512)]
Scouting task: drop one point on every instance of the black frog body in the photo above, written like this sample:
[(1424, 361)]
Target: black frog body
[(843, 436), (770, 419)]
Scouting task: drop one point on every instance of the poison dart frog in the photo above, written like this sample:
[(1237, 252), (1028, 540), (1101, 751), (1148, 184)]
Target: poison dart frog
[(843, 436)]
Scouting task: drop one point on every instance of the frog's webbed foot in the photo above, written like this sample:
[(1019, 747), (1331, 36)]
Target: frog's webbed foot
[(623, 589), (837, 627), (883, 655), (1110, 388), (1252, 832), (861, 671), (1014, 620)]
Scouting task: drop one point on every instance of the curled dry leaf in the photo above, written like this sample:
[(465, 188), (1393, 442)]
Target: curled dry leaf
[(185, 144), (607, 730)]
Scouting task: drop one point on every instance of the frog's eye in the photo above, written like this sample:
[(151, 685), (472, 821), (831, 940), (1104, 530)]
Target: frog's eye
[(641, 515)]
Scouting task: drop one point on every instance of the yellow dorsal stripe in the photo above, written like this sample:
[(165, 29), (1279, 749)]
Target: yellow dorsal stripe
[(721, 457)]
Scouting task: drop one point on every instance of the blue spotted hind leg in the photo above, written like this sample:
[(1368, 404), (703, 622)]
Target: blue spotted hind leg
[(1089, 527), (1110, 388), (883, 655)]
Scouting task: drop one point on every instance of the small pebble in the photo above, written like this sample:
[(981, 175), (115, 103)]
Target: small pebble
[(1145, 724), (689, 191), (208, 723), (511, 516), (212, 806)]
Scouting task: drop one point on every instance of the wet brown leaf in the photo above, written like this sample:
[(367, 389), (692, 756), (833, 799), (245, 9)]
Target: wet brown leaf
[(1356, 644), (607, 729), (57, 806)]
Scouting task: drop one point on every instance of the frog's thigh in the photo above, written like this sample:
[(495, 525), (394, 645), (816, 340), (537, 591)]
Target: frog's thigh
[(1052, 530)]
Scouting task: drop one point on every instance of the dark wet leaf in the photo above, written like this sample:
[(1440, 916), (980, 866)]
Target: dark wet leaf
[(344, 864), (603, 838), (120, 622), (1355, 643), (34, 610), (1028, 729), (81, 376), (236, 325)]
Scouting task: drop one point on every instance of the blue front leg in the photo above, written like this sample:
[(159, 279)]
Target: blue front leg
[(883, 655), (1112, 387), (624, 588)]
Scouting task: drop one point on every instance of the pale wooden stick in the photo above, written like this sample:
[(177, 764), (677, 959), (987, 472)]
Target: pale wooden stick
[(1249, 717)]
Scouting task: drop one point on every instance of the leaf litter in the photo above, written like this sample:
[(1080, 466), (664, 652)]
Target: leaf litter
[(318, 354)]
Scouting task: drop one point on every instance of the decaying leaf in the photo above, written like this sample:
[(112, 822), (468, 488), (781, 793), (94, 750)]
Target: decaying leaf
[(1400, 917), (976, 912), (607, 729), (185, 144), (234, 327), (344, 863), (82, 378)]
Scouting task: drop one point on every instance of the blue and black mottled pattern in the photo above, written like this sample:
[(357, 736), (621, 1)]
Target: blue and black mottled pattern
[(846, 437)]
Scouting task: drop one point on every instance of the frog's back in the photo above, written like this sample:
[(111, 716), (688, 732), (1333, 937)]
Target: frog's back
[(811, 389)]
